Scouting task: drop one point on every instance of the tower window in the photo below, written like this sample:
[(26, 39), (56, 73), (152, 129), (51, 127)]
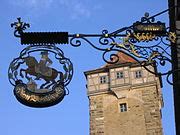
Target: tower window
[(103, 79), (119, 75), (123, 107), (138, 74)]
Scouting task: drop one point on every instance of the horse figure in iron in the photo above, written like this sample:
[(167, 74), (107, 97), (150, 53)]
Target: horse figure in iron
[(33, 69)]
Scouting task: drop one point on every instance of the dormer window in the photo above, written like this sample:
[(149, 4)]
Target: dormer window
[(119, 75), (138, 74), (103, 79)]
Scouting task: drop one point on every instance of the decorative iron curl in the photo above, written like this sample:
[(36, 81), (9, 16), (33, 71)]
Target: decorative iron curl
[(105, 39), (170, 73), (147, 19), (12, 71), (113, 57), (75, 40)]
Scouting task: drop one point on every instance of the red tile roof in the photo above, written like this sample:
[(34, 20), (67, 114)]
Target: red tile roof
[(123, 58)]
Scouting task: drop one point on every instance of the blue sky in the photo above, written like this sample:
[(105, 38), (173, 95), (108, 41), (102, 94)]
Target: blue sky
[(71, 116)]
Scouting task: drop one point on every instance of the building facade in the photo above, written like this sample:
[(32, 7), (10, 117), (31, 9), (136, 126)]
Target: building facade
[(124, 99)]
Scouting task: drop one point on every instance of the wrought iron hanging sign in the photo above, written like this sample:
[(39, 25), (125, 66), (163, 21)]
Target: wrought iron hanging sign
[(37, 83), (26, 70)]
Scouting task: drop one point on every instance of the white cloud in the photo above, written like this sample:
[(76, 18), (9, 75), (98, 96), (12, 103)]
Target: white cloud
[(75, 9), (79, 10), (32, 3)]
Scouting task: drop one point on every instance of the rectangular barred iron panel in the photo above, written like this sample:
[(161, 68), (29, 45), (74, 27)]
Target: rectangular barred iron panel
[(44, 38)]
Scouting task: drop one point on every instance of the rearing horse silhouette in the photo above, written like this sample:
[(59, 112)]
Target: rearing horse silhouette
[(32, 64)]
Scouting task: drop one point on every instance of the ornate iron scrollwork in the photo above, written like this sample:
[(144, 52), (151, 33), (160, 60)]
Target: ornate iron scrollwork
[(135, 42), (36, 83)]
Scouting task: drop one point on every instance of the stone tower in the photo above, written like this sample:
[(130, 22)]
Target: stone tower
[(124, 99)]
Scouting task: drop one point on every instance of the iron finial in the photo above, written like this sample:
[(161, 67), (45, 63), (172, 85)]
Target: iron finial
[(19, 27)]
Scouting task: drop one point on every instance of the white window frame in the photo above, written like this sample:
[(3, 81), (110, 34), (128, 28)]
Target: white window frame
[(103, 79), (119, 75), (138, 74)]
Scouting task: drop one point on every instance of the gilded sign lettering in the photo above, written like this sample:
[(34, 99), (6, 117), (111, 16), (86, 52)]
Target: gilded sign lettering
[(36, 100)]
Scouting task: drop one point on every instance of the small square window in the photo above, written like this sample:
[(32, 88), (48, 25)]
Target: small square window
[(138, 74), (119, 75), (123, 107), (103, 79)]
